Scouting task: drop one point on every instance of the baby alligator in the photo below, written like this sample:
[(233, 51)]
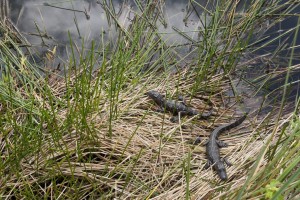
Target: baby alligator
[(175, 107), (213, 145)]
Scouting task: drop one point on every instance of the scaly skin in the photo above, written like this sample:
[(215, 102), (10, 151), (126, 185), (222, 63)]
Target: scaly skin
[(175, 107), (213, 148)]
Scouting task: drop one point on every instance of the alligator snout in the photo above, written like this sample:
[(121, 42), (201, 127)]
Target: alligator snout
[(220, 168), (222, 175)]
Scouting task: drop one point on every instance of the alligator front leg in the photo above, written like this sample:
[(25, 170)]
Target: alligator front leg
[(206, 142), (180, 98), (221, 143), (226, 161), (206, 115), (174, 119), (208, 164), (160, 110)]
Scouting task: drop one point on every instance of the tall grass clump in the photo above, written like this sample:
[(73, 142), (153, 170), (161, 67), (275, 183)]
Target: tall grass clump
[(90, 132)]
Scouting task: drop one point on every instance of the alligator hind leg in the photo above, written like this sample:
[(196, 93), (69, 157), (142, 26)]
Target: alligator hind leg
[(221, 143)]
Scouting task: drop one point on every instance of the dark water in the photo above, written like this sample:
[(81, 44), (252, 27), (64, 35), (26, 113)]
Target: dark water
[(30, 14), (271, 63), (89, 22)]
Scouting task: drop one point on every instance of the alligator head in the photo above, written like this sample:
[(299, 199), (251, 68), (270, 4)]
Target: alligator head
[(156, 96), (220, 168)]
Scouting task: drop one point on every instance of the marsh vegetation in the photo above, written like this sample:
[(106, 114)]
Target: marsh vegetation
[(84, 128)]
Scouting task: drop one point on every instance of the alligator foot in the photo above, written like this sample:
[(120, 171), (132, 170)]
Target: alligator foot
[(197, 141), (221, 143), (174, 119), (205, 115), (208, 164)]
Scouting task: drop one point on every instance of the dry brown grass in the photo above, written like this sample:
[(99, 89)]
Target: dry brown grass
[(147, 155)]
